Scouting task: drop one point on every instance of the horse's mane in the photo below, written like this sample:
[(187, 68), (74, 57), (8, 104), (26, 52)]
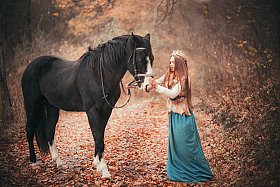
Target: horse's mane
[(110, 53)]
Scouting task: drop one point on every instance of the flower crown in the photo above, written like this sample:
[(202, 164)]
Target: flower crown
[(179, 54)]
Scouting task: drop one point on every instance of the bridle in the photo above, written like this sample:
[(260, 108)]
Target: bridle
[(136, 75), (136, 78)]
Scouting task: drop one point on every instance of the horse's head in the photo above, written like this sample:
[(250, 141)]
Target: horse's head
[(141, 61)]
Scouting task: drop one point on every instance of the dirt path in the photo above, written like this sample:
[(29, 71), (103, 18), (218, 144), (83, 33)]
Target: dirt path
[(136, 140)]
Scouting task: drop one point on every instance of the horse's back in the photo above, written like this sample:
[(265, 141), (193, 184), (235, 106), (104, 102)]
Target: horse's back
[(33, 74), (39, 66), (55, 80), (36, 69)]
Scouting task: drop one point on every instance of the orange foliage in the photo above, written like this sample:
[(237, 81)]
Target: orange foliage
[(55, 14)]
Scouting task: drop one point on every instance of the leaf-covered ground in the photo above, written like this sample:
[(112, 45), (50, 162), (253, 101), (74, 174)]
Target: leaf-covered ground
[(136, 140)]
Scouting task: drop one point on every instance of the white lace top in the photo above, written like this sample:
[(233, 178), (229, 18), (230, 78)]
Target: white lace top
[(177, 106)]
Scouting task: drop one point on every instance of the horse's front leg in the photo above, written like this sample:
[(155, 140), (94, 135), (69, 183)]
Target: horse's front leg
[(97, 124)]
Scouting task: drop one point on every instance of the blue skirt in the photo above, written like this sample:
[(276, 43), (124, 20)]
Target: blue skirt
[(186, 160)]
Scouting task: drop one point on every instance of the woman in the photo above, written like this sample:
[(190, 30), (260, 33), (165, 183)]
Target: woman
[(186, 161)]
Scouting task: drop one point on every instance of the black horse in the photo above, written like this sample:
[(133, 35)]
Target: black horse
[(90, 84)]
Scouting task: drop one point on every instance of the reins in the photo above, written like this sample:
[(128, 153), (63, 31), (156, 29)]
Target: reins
[(103, 90)]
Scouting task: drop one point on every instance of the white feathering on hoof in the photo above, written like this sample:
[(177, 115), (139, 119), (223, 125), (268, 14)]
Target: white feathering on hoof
[(36, 165), (95, 161), (101, 167), (55, 156)]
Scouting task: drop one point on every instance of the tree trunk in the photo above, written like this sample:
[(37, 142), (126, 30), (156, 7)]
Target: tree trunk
[(6, 105), (29, 19)]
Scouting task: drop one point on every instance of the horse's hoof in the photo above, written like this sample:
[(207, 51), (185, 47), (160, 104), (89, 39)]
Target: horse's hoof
[(95, 161), (60, 167), (106, 175), (59, 162), (94, 164), (35, 166)]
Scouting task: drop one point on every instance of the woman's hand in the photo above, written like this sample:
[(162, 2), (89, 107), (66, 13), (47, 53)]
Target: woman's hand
[(153, 82)]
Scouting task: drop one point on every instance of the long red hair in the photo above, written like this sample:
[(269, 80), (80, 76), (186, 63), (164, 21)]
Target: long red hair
[(181, 74)]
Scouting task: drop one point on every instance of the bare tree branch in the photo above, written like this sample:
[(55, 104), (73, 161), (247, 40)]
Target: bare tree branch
[(168, 10)]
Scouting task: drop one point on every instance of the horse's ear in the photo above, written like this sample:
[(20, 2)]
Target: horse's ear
[(147, 37), (134, 38)]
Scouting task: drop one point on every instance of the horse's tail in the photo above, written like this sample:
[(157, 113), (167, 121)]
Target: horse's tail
[(36, 119), (36, 123), (40, 132), (34, 101)]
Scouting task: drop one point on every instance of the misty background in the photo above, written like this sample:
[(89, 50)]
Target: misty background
[(232, 48)]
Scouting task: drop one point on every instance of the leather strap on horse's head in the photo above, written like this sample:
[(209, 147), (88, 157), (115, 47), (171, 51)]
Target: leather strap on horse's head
[(136, 77)]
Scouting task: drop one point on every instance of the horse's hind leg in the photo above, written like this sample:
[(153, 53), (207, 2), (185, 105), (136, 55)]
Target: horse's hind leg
[(31, 115), (52, 118)]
